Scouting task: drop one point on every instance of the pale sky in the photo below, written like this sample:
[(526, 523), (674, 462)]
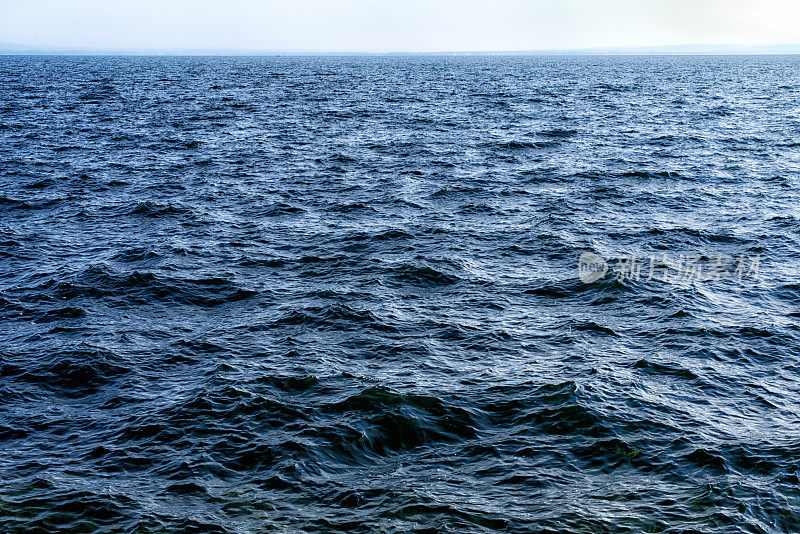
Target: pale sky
[(384, 26)]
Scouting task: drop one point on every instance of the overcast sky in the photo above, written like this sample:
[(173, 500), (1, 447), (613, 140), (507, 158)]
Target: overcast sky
[(381, 26)]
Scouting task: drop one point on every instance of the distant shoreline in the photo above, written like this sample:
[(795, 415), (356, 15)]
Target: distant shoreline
[(368, 54), (7, 49)]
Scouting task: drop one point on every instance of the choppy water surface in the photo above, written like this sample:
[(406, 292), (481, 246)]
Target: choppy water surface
[(341, 294)]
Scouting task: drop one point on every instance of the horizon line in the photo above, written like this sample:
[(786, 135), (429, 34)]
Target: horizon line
[(679, 49)]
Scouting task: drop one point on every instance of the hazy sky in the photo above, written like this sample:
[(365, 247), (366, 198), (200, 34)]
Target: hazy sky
[(411, 25)]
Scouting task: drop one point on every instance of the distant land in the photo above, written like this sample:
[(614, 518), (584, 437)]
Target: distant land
[(675, 50)]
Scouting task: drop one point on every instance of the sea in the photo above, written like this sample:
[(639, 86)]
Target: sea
[(400, 294)]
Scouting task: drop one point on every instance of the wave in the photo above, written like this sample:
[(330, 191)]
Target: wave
[(71, 373), (145, 287), (421, 275), (330, 317), (521, 145)]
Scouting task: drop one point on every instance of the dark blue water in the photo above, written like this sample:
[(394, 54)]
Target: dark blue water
[(341, 294)]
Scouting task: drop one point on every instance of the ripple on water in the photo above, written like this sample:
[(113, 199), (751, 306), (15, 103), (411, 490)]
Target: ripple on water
[(295, 295)]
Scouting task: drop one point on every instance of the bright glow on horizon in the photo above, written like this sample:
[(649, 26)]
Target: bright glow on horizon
[(401, 26)]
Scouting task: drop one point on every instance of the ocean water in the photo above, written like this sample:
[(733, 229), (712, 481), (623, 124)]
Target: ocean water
[(326, 294)]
